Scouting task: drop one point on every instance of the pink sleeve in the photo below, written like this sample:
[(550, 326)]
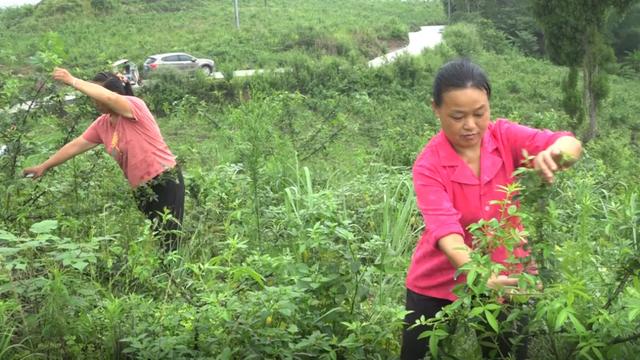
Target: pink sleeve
[(92, 134), (139, 109), (520, 137), (440, 217)]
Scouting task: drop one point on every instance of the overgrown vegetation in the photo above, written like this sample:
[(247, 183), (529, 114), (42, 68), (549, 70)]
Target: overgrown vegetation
[(272, 34), (300, 218)]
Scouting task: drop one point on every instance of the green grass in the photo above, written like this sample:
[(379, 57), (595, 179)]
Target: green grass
[(268, 37), (320, 155)]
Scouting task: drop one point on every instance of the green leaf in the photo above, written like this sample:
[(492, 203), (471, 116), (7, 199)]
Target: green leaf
[(68, 246), (44, 227), (226, 354), (31, 244), (476, 311), (492, 306), (240, 272), (471, 277), (576, 323), (598, 353), (5, 251), (293, 329), (285, 311), (492, 321), (5, 235), (440, 333), (562, 317), (80, 265), (433, 346), (488, 344)]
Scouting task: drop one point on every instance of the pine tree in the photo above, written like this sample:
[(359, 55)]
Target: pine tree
[(573, 31)]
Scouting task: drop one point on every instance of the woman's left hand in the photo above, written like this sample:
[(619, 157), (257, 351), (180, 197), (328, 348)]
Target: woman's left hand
[(122, 78), (63, 75), (546, 162)]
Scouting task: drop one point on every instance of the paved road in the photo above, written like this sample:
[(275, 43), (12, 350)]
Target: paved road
[(25, 106), (244, 73), (428, 37)]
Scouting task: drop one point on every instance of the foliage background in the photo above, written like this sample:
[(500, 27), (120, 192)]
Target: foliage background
[(301, 216)]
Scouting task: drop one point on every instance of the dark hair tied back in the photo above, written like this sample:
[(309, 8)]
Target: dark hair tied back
[(459, 74), (112, 82)]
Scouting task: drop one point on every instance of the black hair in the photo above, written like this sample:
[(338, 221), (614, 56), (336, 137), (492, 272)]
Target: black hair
[(112, 82), (459, 74)]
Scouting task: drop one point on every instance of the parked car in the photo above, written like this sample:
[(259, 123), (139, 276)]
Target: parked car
[(178, 61)]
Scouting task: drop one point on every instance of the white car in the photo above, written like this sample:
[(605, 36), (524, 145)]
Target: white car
[(178, 61)]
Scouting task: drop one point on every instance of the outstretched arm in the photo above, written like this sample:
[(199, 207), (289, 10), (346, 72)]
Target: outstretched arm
[(457, 251), (114, 101), (71, 149)]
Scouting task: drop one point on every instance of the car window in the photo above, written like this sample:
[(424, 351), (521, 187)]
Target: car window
[(170, 58), (185, 57), (150, 60)]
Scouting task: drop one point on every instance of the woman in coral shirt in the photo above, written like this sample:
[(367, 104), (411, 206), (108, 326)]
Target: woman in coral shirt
[(130, 134), (456, 177)]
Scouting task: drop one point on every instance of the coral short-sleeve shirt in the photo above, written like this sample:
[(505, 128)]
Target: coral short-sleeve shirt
[(135, 143)]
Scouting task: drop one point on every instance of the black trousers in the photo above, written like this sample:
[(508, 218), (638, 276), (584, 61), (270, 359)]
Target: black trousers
[(160, 195), (420, 305)]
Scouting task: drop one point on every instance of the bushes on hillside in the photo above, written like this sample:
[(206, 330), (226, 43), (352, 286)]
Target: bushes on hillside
[(169, 87), (463, 39), (469, 39), (104, 6)]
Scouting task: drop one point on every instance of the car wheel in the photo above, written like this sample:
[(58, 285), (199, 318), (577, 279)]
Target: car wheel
[(206, 70)]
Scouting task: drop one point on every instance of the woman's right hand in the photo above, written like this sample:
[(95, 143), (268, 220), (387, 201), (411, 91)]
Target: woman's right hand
[(500, 281), (35, 171), (547, 163), (63, 75)]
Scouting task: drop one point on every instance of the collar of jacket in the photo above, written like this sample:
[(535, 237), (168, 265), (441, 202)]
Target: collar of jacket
[(490, 160)]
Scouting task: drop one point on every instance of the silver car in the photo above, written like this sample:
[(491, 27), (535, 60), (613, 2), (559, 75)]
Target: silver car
[(178, 61)]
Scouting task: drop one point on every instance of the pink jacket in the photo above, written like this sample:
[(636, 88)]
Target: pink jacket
[(450, 197)]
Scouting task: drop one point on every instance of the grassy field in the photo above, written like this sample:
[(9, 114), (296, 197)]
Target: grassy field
[(300, 213), (269, 36)]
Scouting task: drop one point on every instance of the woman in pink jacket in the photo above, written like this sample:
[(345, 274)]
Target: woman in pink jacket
[(456, 177), (130, 134)]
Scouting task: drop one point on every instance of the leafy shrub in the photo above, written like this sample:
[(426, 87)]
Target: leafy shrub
[(492, 39), (320, 156), (63, 8), (105, 6), (167, 88), (463, 39)]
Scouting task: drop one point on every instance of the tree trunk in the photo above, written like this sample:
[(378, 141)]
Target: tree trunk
[(590, 71), (573, 99)]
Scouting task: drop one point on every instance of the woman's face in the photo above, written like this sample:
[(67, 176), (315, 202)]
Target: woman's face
[(101, 107), (464, 117)]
